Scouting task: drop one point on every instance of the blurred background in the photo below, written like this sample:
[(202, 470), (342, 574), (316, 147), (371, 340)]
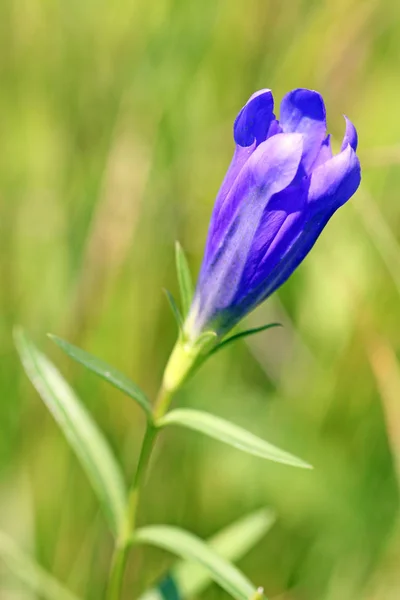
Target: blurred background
[(116, 131)]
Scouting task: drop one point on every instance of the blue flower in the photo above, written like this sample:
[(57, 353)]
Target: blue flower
[(281, 189)]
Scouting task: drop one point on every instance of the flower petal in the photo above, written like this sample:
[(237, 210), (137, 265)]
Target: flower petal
[(330, 186), (261, 165), (240, 158), (304, 234), (350, 136), (303, 111), (335, 181), (325, 152), (270, 169), (253, 124), (253, 121), (274, 128), (279, 226)]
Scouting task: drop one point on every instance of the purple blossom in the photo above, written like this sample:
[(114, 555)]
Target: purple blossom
[(282, 187)]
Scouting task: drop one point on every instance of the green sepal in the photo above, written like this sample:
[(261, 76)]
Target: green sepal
[(242, 334), (175, 310), (184, 279), (185, 359)]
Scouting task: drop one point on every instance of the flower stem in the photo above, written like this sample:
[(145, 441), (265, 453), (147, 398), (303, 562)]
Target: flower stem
[(162, 403), (121, 548), (177, 369), (140, 476), (116, 572)]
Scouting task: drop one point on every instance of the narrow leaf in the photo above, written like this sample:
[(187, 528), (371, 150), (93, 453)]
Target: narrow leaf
[(79, 429), (188, 579), (105, 371), (242, 334), (175, 309), (231, 434), (32, 575), (191, 548), (184, 279)]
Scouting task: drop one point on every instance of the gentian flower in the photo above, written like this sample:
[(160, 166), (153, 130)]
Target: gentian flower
[(281, 189)]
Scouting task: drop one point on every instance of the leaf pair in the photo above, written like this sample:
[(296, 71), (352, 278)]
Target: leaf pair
[(203, 422)]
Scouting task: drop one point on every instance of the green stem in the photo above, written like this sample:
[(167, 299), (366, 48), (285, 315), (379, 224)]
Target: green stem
[(118, 563), (182, 359), (162, 403), (140, 476), (116, 572), (121, 548)]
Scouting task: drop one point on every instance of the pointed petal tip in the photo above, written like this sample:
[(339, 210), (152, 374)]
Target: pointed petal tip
[(350, 136), (350, 159), (334, 182)]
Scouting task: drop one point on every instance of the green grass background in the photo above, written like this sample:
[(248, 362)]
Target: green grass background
[(115, 133)]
